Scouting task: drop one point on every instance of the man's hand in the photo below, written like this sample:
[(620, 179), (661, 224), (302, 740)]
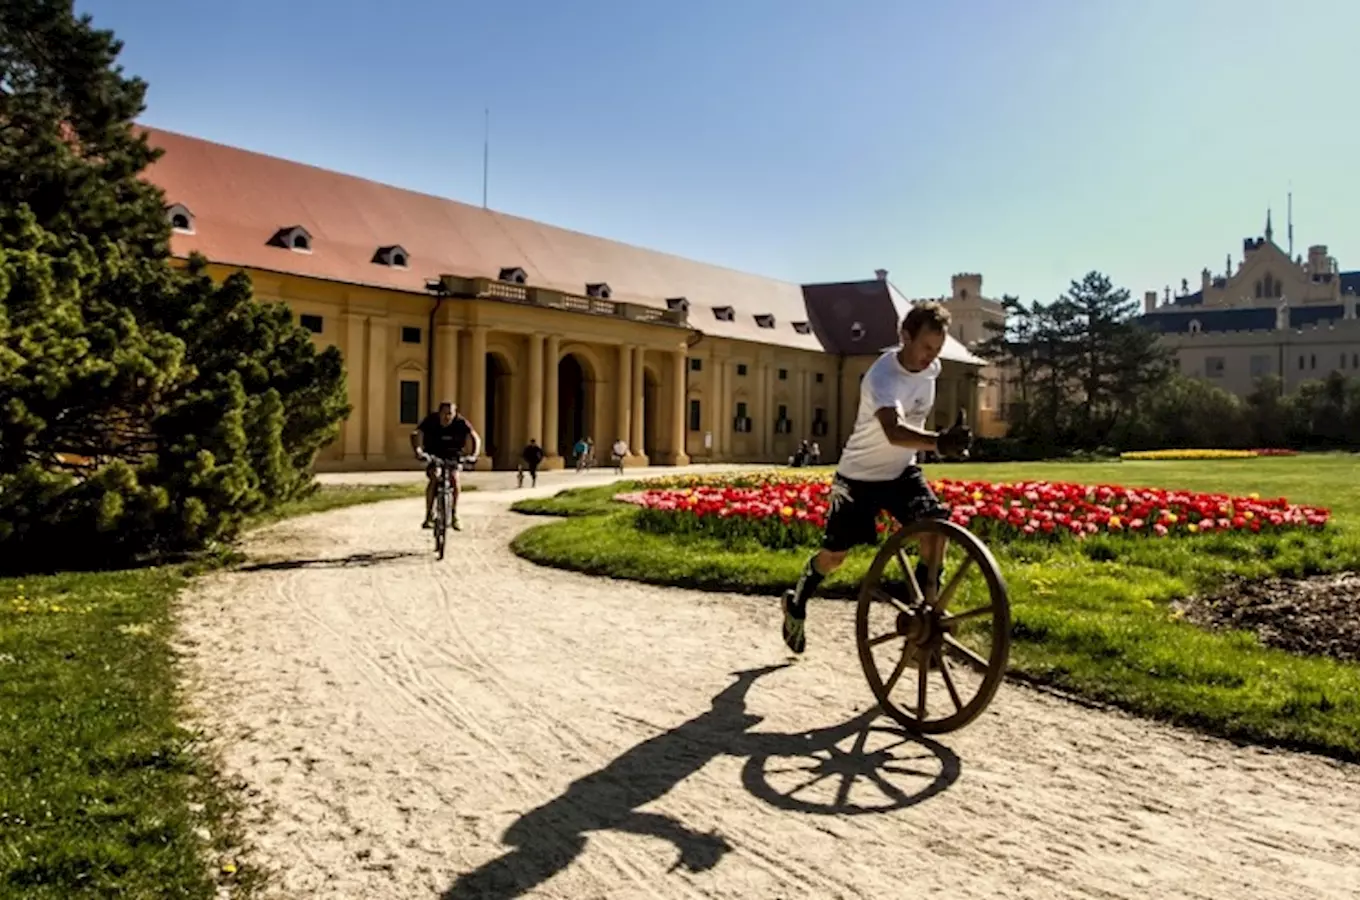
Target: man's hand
[(955, 440)]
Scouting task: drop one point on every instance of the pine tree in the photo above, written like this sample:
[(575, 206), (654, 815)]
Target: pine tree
[(143, 409)]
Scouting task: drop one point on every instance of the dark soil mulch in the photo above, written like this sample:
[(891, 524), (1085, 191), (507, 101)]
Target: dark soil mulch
[(1318, 616)]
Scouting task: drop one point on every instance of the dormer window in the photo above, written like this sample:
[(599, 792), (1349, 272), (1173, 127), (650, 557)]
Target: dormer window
[(513, 275), (857, 331), (599, 291), (724, 313), (294, 237), (677, 304), (1195, 327), (394, 255), (181, 219), (802, 327), (764, 320)]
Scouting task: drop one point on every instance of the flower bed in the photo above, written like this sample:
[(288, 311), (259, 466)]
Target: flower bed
[(1204, 454), (779, 512)]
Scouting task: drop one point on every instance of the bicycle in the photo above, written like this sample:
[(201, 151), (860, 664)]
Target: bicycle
[(443, 496), (928, 632)]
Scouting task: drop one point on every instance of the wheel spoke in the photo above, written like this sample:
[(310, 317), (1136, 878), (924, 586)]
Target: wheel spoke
[(949, 681), (897, 673), (923, 678), (882, 595), (947, 595), (917, 596), (883, 638), (951, 618), (972, 656)]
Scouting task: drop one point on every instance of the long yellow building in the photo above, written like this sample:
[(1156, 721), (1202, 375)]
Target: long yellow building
[(536, 331)]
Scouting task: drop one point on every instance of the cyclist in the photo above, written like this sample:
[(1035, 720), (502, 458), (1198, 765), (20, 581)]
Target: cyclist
[(877, 469), (443, 435)]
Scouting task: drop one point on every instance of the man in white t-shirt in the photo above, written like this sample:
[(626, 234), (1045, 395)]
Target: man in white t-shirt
[(877, 469)]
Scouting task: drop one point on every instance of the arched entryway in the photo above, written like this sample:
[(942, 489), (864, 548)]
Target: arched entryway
[(651, 412), (496, 435), (575, 403)]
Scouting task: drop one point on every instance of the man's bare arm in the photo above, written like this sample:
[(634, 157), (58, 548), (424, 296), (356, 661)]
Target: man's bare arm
[(476, 443), (416, 438), (900, 434)]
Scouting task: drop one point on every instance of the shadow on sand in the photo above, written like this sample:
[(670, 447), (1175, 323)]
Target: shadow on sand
[(354, 560), (546, 840)]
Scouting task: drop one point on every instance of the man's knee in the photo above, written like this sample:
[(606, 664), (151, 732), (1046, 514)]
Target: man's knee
[(829, 561)]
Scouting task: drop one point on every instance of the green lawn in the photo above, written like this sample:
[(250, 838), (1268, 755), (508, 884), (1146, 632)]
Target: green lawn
[(1093, 618), (101, 790)]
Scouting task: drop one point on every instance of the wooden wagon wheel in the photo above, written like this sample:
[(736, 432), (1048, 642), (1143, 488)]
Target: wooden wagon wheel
[(952, 643)]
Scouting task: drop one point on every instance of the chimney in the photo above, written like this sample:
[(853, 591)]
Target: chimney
[(1149, 301), (881, 274)]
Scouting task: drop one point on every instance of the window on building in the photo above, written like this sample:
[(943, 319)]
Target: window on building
[(821, 377), (741, 409), (1312, 360), (1213, 366), (1355, 360), (310, 322), (696, 417), (410, 403), (696, 365), (410, 335), (783, 374), (783, 412), (1300, 362), (741, 368), (1343, 360), (1260, 365)]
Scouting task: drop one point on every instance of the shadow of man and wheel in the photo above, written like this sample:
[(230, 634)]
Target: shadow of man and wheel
[(809, 772)]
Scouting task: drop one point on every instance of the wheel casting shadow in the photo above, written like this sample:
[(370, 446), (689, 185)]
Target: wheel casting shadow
[(354, 560), (546, 840)]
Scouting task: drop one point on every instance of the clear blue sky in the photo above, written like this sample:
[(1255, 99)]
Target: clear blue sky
[(810, 140)]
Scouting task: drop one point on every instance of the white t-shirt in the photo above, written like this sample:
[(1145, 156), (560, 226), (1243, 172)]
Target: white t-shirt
[(620, 448), (868, 455)]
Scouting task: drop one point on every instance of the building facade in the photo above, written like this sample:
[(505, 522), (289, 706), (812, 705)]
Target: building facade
[(1272, 315), (536, 332)]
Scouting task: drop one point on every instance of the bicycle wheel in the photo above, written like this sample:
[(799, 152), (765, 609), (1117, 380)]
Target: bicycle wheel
[(912, 626), (441, 519)]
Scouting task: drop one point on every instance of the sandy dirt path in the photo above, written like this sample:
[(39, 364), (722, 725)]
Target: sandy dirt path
[(483, 727)]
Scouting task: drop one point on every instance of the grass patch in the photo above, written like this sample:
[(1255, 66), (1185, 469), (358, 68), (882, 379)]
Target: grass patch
[(1093, 618), (103, 792)]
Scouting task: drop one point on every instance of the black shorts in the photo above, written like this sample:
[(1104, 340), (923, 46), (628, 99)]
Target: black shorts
[(453, 470), (855, 505)]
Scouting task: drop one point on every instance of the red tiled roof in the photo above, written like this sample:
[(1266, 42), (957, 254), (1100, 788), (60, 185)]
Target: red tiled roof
[(877, 307), (239, 200)]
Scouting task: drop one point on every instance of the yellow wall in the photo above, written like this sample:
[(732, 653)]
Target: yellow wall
[(639, 379)]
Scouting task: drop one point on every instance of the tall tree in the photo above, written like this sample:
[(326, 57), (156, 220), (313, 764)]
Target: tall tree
[(143, 408)]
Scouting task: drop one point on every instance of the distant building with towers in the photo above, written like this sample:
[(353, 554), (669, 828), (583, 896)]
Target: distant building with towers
[(1273, 314)]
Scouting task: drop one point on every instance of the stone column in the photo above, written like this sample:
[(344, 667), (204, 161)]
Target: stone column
[(802, 414), (534, 391), (355, 359), (675, 452), (766, 407), (722, 409), (378, 386), (552, 459), (445, 365), (624, 399), (474, 395), (639, 435)]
